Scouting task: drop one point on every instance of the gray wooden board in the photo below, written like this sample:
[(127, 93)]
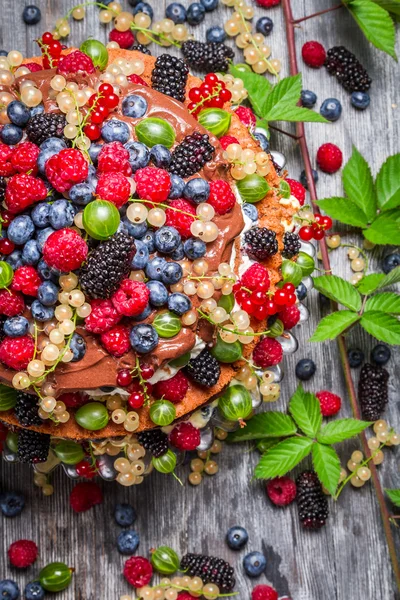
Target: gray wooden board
[(348, 559)]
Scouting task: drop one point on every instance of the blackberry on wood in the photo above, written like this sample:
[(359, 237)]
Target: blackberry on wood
[(311, 501), (107, 265), (260, 242), (3, 185), (291, 244), (45, 125), (33, 447), (373, 391), (169, 76), (207, 57), (26, 410), (155, 441), (210, 570), (191, 155), (142, 49), (204, 369), (348, 70)]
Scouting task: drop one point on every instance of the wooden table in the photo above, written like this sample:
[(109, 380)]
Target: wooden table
[(347, 559)]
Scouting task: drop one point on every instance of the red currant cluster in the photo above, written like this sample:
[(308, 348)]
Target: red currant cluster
[(316, 229), (101, 103), (211, 94), (260, 303), (139, 387), (51, 50), (86, 469)]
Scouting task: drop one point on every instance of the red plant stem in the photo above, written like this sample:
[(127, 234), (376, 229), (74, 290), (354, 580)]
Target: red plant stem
[(317, 14), (300, 130), (291, 135)]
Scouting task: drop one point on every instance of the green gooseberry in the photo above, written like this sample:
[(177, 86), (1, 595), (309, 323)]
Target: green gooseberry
[(8, 397), (162, 412), (243, 67), (165, 560), (306, 263), (97, 52), (92, 416), (181, 361), (252, 188), (276, 329), (55, 577), (6, 274), (167, 324), (12, 441), (152, 131), (225, 352), (69, 452), (165, 463), (101, 219), (291, 272), (227, 302), (215, 120), (235, 403)]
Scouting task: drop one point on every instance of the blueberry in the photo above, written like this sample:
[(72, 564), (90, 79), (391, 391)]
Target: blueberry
[(139, 155), (215, 34), (18, 113), (179, 303), (134, 106), (254, 564), (264, 25), (11, 504), (115, 130), (48, 293), (360, 100), (355, 356), (34, 591), (144, 314), (31, 14), (166, 239), (209, 5), (303, 178), (3, 52), (94, 151), (81, 193), (324, 300), (177, 186), (41, 313), (143, 338), (301, 291), (131, 2), (15, 259), (145, 8), (42, 236), (305, 369), (37, 110), (128, 542), (250, 210), (77, 347), (11, 134), (194, 248), (197, 190), (31, 253), (20, 230), (179, 253), (62, 214), (262, 140), (331, 109), (155, 267), (124, 515), (148, 239), (176, 12), (171, 273), (308, 99), (278, 159), (47, 272), (160, 156), (195, 13), (380, 354), (40, 214), (158, 293), (141, 258), (49, 148), (16, 326), (9, 590), (390, 262), (136, 230), (237, 538)]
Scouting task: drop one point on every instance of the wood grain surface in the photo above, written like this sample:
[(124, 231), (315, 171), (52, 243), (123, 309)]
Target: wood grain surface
[(348, 559)]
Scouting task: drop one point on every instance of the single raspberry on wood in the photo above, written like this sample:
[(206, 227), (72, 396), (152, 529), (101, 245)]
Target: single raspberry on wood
[(23, 553), (289, 316), (26, 280), (116, 340), (281, 491), (297, 190), (246, 116), (221, 197), (113, 187), (330, 403), (66, 168), (176, 217), (103, 317), (84, 496), (125, 39), (254, 276), (131, 298), (75, 62), (152, 184), (24, 158), (313, 54), (227, 140), (138, 571), (173, 389), (114, 157), (16, 353), (65, 250), (185, 436), (329, 158), (22, 191), (267, 353), (264, 592), (11, 303), (6, 167)]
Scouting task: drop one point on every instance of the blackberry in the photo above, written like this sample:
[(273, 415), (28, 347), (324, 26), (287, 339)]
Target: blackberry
[(142, 49), (373, 391), (311, 501), (207, 57), (107, 265), (191, 155), (26, 410), (260, 242), (204, 369), (3, 185), (348, 70), (169, 76), (210, 570), (155, 441), (291, 244), (33, 447), (45, 125)]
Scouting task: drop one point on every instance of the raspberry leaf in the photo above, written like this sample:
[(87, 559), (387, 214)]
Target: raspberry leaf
[(376, 24), (257, 88), (340, 430), (294, 114), (394, 496), (281, 103), (359, 184), (265, 425), (382, 326), (391, 278), (333, 325), (306, 411), (392, 6), (283, 457), (388, 302), (370, 283), (339, 290), (385, 229), (344, 211), (327, 466), (388, 183)]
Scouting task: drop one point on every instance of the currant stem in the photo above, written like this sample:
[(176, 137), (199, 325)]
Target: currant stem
[(287, 133), (317, 14), (152, 35), (260, 54), (362, 464)]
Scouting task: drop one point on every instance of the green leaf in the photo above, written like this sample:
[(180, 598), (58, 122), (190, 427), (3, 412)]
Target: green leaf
[(392, 6), (283, 457), (327, 466), (306, 411), (376, 24), (344, 211), (394, 496), (265, 425), (388, 302), (385, 229), (294, 114), (341, 429), (369, 283), (333, 325), (383, 327), (359, 184), (287, 91), (339, 290), (257, 87), (388, 183), (391, 278)]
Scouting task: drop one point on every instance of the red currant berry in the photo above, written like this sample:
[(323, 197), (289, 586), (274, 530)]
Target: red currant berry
[(124, 377), (236, 287), (280, 297), (306, 233), (225, 95), (318, 218), (291, 299), (49, 63), (318, 234), (146, 370), (6, 246), (106, 89), (261, 312), (195, 94), (112, 101), (85, 469), (289, 287), (271, 307), (326, 222), (136, 400), (92, 131), (6, 217), (263, 286), (217, 102), (205, 90), (211, 78), (248, 306), (99, 114), (47, 37), (258, 298), (93, 100), (55, 48), (242, 296)]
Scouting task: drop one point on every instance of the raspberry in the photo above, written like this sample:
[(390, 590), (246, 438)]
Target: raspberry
[(22, 191), (226, 140), (76, 62), (116, 340), (185, 596), (22, 554), (281, 491), (137, 80), (16, 353), (221, 198), (329, 158), (152, 184), (264, 592), (26, 280), (180, 221), (24, 157), (33, 67), (131, 298), (6, 166), (113, 187), (267, 353), (297, 190), (254, 276), (313, 54), (103, 316), (84, 496), (268, 3), (330, 403), (65, 250), (246, 116), (73, 399), (66, 168), (289, 316), (138, 571), (185, 436), (173, 389), (125, 39), (114, 157), (11, 303)]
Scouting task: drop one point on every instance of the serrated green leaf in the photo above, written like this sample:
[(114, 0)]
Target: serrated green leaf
[(344, 211), (327, 466), (294, 114), (269, 424), (257, 87), (392, 6), (387, 302), (369, 283), (359, 185), (341, 429), (283, 457), (394, 496), (333, 325), (339, 290), (286, 92), (306, 411), (391, 278), (388, 183), (381, 326), (376, 24), (385, 229)]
